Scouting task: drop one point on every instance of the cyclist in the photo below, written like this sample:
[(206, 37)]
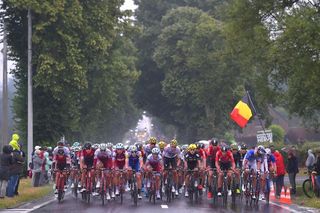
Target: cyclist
[(154, 163), (75, 163), (238, 164), (252, 161), (110, 146), (243, 152), (135, 162), (192, 162), (62, 161), (171, 157), (224, 162), (86, 163), (103, 160), (211, 158), (203, 162), (120, 162), (148, 148), (162, 145)]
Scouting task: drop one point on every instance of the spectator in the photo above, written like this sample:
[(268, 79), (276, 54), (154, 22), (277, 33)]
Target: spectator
[(292, 169), (311, 160), (280, 172), (6, 162), (48, 164), (17, 167), (37, 168)]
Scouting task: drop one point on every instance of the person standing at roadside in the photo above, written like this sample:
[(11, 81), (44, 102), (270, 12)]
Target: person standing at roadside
[(280, 172), (292, 169), (6, 162), (311, 160), (17, 167)]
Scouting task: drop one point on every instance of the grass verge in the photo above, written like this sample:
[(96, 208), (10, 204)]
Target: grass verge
[(26, 193), (302, 200)]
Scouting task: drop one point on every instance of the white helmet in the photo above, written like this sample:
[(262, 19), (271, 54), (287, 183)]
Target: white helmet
[(155, 151), (119, 146), (103, 147), (268, 151), (133, 148), (95, 146), (261, 150), (109, 145), (77, 148)]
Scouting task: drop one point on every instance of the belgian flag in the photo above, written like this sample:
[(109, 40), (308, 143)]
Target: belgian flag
[(242, 113)]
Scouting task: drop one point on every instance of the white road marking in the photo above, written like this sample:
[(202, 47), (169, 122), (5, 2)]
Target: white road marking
[(164, 206)]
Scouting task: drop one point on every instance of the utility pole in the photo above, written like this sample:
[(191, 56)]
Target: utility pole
[(30, 106), (4, 91)]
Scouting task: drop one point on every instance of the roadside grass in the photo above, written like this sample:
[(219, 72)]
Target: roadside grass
[(302, 200), (26, 193)]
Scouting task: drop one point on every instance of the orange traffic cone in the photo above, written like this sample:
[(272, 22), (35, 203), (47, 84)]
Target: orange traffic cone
[(285, 196), (272, 193)]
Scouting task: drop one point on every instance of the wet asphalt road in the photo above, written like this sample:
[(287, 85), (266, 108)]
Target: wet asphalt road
[(179, 205)]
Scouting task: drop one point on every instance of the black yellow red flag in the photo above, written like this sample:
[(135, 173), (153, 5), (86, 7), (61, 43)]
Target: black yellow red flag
[(242, 113)]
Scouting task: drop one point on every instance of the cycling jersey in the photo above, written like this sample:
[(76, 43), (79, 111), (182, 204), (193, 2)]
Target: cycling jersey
[(155, 163), (192, 160), (170, 152), (105, 157), (237, 159), (88, 157), (65, 149), (211, 154), (225, 160), (134, 161), (119, 159), (75, 159)]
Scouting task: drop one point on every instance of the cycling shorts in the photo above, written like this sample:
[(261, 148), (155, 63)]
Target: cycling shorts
[(225, 166), (170, 161)]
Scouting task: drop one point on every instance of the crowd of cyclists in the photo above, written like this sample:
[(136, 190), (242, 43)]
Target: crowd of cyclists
[(160, 168)]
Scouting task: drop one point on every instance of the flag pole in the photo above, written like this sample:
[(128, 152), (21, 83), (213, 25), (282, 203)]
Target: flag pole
[(255, 111)]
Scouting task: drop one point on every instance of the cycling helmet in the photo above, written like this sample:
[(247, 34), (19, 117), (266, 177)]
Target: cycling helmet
[(244, 147), (109, 145), (234, 147), (87, 145), (192, 147), (184, 147), (133, 148), (77, 148), (214, 142), (60, 143), (224, 148), (139, 146), (152, 140), (75, 144), (174, 142), (200, 145), (95, 146), (268, 151), (261, 150), (103, 147), (119, 146), (60, 151), (162, 144), (155, 150)]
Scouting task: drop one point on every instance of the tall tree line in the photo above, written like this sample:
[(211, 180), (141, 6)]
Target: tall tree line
[(198, 57), (83, 68)]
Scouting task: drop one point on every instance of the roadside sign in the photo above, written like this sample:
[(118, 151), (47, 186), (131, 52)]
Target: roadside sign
[(264, 136)]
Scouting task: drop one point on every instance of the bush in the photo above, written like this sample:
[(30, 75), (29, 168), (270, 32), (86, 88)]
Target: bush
[(277, 133)]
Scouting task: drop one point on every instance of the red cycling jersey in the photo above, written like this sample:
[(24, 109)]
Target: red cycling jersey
[(60, 159), (212, 152), (227, 158), (202, 154), (119, 160)]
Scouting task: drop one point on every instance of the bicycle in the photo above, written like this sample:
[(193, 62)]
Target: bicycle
[(249, 187), (267, 188), (122, 182), (75, 180), (62, 177), (310, 187), (88, 184), (233, 188), (193, 186), (104, 184), (153, 187), (257, 189), (225, 187), (168, 185), (134, 188)]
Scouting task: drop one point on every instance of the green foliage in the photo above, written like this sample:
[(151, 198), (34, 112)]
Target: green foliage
[(277, 133), (83, 68)]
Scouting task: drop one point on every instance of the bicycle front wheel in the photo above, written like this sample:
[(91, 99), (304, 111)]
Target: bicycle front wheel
[(308, 188)]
